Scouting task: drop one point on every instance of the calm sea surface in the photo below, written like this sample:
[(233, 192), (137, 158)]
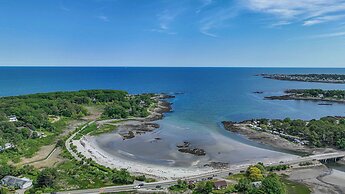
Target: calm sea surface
[(210, 95)]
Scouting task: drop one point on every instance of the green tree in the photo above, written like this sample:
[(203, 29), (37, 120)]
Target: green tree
[(4, 191), (122, 177), (254, 173), (46, 177), (5, 170), (203, 188), (272, 185), (243, 185), (341, 143)]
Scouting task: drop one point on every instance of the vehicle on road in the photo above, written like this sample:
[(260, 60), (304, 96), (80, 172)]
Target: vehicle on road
[(158, 187)]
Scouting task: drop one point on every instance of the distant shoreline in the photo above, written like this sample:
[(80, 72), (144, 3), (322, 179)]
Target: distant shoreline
[(293, 97), (320, 78), (316, 95)]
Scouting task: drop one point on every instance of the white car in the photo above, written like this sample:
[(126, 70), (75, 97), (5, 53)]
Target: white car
[(137, 187)]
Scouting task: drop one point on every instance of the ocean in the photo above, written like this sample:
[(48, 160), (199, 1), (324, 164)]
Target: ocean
[(206, 97)]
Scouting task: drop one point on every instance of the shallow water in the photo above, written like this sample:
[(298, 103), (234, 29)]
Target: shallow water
[(210, 95)]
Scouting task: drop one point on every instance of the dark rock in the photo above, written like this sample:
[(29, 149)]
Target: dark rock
[(129, 135), (194, 151), (218, 165), (185, 144)]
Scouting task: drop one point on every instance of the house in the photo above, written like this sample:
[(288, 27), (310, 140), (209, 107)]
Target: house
[(220, 184), (8, 146), (12, 118), (256, 184), (21, 183)]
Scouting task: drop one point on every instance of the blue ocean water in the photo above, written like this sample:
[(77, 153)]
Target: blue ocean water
[(210, 95)]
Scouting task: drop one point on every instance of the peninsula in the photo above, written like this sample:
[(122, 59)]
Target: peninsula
[(312, 95), (296, 135), (323, 78)]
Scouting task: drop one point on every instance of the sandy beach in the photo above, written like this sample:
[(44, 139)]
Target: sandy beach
[(88, 147)]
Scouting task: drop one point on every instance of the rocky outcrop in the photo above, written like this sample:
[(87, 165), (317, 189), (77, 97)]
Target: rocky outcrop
[(218, 165), (185, 147)]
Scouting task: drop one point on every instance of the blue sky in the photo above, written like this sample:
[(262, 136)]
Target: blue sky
[(265, 33)]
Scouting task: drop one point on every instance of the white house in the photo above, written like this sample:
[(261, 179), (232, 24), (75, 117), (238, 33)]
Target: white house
[(12, 119), (21, 183), (8, 146)]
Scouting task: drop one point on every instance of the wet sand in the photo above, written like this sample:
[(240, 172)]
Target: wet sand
[(320, 179)]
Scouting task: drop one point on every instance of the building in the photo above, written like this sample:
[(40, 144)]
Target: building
[(220, 184), (256, 184), (8, 146), (12, 118), (15, 182)]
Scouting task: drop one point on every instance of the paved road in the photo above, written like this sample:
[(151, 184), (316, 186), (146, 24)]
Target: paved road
[(217, 173)]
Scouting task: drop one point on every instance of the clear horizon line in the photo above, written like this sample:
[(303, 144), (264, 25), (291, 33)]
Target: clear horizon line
[(107, 66)]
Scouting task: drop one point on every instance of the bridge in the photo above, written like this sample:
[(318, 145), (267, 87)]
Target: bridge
[(334, 156)]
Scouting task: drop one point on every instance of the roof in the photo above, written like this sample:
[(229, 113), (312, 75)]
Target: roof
[(14, 181), (220, 184)]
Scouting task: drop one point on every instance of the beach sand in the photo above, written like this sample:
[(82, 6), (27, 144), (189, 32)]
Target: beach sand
[(88, 147)]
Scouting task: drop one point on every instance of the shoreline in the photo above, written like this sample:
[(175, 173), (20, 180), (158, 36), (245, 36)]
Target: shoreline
[(294, 97), (302, 78), (89, 148), (320, 179), (271, 139), (134, 126)]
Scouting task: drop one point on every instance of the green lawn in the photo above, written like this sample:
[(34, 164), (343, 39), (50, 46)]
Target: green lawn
[(103, 129), (236, 177), (295, 187)]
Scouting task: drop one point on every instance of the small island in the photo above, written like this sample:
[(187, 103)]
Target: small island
[(312, 95), (323, 78)]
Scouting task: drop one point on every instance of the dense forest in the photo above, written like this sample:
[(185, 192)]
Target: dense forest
[(35, 113), (325, 132)]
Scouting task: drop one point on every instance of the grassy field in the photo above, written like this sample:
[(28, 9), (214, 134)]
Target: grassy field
[(86, 130), (103, 129), (295, 187), (236, 177)]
